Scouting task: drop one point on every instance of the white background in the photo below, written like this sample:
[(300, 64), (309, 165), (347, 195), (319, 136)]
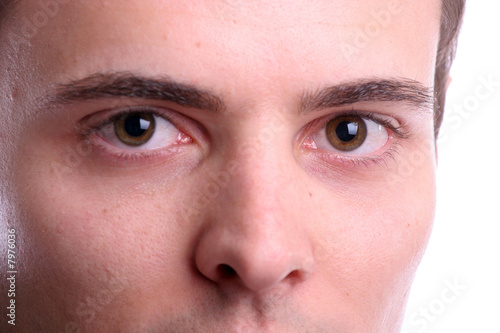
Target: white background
[(464, 249)]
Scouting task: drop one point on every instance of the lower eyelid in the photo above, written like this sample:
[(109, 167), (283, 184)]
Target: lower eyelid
[(384, 156), (154, 143), (109, 147), (353, 161), (108, 153)]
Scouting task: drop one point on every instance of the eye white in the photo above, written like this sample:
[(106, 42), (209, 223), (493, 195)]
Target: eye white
[(165, 134), (376, 138)]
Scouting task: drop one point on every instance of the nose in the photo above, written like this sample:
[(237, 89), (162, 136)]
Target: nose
[(257, 256), (255, 231)]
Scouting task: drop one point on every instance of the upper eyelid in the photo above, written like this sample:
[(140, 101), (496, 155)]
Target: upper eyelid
[(88, 126), (190, 127), (381, 119), (106, 119)]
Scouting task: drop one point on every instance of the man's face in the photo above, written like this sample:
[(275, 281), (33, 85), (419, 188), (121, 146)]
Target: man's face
[(217, 166)]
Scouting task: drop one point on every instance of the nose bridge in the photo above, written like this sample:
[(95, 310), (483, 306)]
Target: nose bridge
[(258, 201), (255, 224), (265, 147), (265, 177)]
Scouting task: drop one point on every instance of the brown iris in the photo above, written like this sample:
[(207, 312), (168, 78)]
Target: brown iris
[(346, 133), (134, 128)]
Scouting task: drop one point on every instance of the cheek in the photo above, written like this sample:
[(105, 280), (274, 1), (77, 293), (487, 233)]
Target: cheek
[(373, 240), (101, 226), (92, 237), (398, 246), (94, 215)]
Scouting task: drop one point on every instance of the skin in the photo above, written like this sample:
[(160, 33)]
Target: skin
[(314, 244)]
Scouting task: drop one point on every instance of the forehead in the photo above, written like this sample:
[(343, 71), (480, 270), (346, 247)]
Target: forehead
[(222, 41)]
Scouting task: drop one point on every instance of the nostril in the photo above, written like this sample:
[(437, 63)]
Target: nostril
[(226, 271), (293, 275)]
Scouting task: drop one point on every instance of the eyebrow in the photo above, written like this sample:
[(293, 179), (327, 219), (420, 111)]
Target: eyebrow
[(109, 85), (403, 90), (123, 84)]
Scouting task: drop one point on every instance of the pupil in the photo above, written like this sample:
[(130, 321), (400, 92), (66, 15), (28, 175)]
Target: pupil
[(346, 131), (136, 126)]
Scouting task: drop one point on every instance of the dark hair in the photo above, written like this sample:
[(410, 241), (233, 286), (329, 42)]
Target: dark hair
[(452, 12)]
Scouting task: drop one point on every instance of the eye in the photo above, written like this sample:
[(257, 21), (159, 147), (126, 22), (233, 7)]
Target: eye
[(351, 135), (134, 129), (346, 133), (140, 130)]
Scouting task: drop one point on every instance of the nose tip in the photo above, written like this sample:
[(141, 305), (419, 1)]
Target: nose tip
[(254, 233), (256, 264)]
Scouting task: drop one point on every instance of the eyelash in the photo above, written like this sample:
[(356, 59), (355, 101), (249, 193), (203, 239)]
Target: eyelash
[(398, 130), (88, 130), (355, 162), (396, 134)]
